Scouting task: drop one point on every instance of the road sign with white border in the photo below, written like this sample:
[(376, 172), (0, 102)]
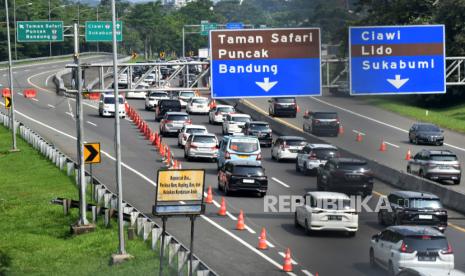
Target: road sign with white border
[(252, 63), (102, 31), (39, 31), (397, 60)]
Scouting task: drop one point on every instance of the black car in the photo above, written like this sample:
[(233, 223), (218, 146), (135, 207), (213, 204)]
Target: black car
[(347, 175), (426, 134), (166, 106), (241, 175), (414, 208), (322, 123), (283, 107), (261, 130)]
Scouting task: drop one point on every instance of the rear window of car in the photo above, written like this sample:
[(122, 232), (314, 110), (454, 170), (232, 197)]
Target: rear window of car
[(240, 119), (295, 143), (225, 109), (325, 153), (187, 94), (170, 103), (428, 128), (195, 130), (199, 101), (244, 145), (111, 100), (423, 203), (177, 117), (425, 243), (353, 166), (249, 170), (285, 100), (439, 157), (325, 115), (259, 127), (204, 139), (158, 94)]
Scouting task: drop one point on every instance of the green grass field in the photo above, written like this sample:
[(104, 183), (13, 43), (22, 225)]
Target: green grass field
[(35, 235), (451, 117)]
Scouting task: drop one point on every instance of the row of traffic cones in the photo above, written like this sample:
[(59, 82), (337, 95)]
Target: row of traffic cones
[(382, 147), (262, 242)]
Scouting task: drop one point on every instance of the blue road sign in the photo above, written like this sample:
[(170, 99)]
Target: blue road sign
[(397, 60), (265, 63), (235, 25)]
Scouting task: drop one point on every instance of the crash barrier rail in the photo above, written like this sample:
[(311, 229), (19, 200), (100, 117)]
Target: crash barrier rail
[(53, 57), (107, 204), (449, 197)]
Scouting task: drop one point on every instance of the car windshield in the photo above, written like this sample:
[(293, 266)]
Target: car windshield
[(423, 203), (325, 154), (295, 143), (249, 170), (325, 116), (432, 128), (199, 101), (259, 127), (240, 119), (225, 109), (111, 100), (285, 100), (195, 130), (438, 157), (177, 117), (425, 243), (204, 139), (187, 94), (158, 94), (353, 166), (244, 145)]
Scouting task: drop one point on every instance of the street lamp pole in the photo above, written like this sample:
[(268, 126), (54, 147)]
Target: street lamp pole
[(49, 19), (10, 79)]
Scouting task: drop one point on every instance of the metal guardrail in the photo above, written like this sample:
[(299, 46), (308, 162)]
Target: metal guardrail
[(53, 57)]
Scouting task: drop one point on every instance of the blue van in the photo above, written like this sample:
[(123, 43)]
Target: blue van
[(237, 147)]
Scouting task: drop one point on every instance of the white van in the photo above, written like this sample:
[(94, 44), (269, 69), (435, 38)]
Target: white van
[(106, 106)]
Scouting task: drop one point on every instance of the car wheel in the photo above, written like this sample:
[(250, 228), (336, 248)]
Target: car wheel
[(457, 181), (439, 143), (415, 141), (185, 155), (297, 168), (146, 108), (372, 258), (296, 222), (410, 139), (262, 194), (409, 170), (351, 234), (304, 128), (226, 190), (422, 174), (210, 120), (219, 185), (391, 269), (308, 231), (305, 169), (381, 219)]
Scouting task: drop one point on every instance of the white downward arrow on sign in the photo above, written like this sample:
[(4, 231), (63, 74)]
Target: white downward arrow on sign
[(266, 84), (397, 82)]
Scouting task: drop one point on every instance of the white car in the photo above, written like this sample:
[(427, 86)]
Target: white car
[(138, 94), (151, 78), (106, 106), (327, 211), (123, 78), (287, 147), (218, 114), (312, 156), (152, 98), (234, 123), (187, 130), (401, 246), (201, 146), (198, 105), (184, 97)]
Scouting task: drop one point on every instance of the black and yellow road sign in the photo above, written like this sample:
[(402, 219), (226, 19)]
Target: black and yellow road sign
[(92, 153), (7, 102), (162, 54), (134, 55)]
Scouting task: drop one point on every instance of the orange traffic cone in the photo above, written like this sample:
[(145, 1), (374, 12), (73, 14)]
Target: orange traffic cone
[(240, 221), (287, 266), (222, 211), (359, 137), (175, 164), (306, 112), (408, 156), (341, 129), (168, 156), (262, 245), (209, 199), (298, 109), (162, 152), (382, 147)]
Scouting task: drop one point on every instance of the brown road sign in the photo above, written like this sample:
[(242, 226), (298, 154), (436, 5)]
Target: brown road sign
[(7, 102), (92, 153)]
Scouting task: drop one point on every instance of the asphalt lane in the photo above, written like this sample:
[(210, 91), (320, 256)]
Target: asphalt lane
[(220, 250)]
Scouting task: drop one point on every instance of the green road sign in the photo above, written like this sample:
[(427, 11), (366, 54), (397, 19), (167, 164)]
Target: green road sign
[(39, 31), (205, 27), (102, 31)]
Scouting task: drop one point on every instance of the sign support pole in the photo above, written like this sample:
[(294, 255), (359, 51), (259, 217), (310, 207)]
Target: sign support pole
[(10, 80), (163, 234), (191, 249), (91, 181), (183, 43)]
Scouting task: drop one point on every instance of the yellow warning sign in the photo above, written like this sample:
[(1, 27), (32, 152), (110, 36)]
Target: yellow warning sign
[(7, 102), (92, 153)]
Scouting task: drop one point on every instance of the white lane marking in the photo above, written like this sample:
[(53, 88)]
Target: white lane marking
[(252, 248), (49, 105), (90, 123), (280, 182), (34, 99), (358, 132), (231, 216), (283, 255), (69, 108), (27, 70), (268, 243), (306, 272), (38, 87), (48, 78), (70, 114), (19, 93), (391, 144), (376, 121), (251, 231)]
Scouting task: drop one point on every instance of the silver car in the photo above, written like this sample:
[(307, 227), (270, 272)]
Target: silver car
[(436, 165), (312, 156), (204, 145)]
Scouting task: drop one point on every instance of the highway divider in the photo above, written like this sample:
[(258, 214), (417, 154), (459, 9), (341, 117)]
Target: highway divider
[(397, 178), (107, 204)]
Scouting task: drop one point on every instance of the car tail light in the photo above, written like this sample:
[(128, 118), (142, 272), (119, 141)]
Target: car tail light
[(259, 157), (448, 250), (227, 155), (217, 113), (312, 157), (457, 166), (193, 146), (189, 122), (215, 148), (168, 121), (405, 249), (432, 165), (317, 122)]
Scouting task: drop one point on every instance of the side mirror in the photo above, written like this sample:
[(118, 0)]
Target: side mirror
[(375, 237), (298, 200)]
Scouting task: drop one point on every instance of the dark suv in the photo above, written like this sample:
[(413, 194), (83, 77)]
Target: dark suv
[(426, 134), (414, 208), (346, 175), (166, 106), (326, 123), (261, 130), (283, 107), (241, 175)]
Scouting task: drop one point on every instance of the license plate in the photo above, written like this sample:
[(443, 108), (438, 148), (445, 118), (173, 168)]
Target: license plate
[(200, 106), (334, 218), (204, 149), (250, 181), (426, 258), (243, 156), (425, 216)]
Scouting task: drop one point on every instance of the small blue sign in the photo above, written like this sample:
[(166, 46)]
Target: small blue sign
[(252, 63), (234, 25), (397, 60)]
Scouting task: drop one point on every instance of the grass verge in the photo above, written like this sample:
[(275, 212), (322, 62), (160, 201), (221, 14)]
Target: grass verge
[(449, 117), (35, 237)]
